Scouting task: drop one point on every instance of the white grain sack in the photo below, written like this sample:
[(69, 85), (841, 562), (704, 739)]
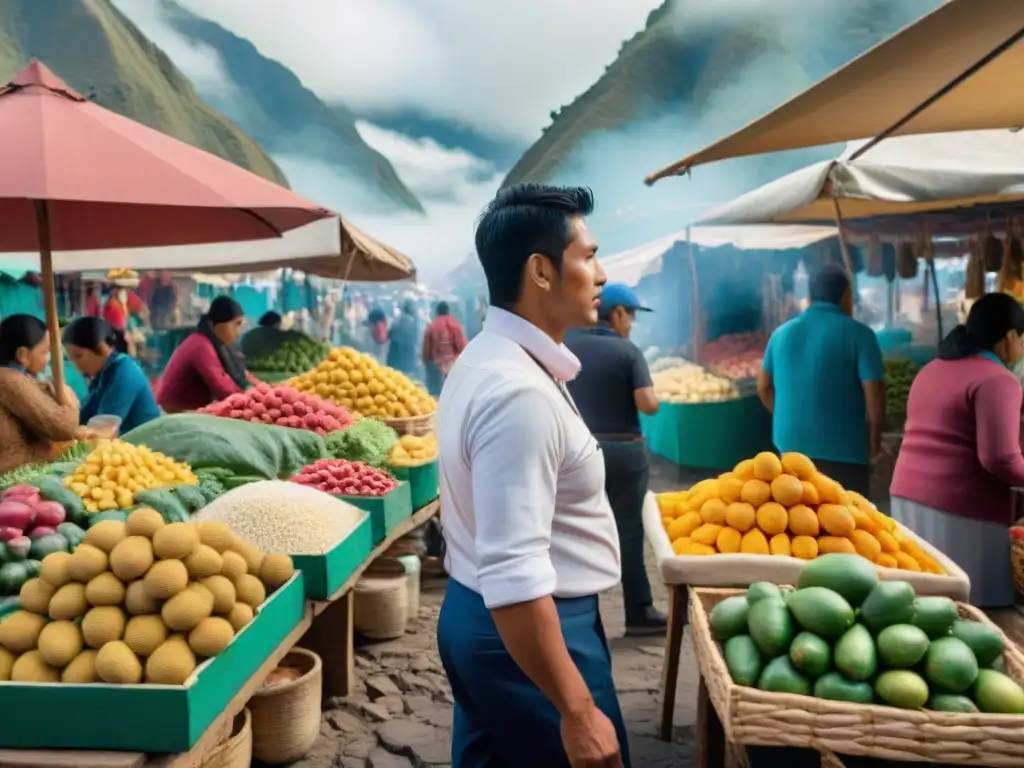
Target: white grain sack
[(278, 516)]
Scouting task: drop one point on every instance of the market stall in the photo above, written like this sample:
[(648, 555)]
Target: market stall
[(908, 202), (773, 521), (198, 551), (722, 289)]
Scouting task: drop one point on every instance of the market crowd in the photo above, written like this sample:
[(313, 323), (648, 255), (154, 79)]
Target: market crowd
[(543, 465)]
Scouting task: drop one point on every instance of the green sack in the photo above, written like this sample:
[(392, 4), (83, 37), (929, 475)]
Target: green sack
[(202, 441)]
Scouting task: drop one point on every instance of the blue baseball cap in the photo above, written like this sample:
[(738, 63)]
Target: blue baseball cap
[(621, 295)]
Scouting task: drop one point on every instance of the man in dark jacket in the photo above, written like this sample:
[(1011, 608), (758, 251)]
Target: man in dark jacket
[(613, 385)]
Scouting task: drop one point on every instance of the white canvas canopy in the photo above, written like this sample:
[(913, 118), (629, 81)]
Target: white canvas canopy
[(955, 69), (632, 266), (331, 247), (897, 177)]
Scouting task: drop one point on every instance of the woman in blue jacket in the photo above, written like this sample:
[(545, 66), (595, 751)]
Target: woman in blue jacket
[(117, 385)]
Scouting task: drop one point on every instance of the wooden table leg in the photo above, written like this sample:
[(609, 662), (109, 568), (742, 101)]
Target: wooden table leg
[(331, 638), (677, 608), (710, 736)]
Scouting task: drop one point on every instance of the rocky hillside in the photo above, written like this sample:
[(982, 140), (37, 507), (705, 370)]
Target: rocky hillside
[(285, 117), (679, 67), (100, 53)]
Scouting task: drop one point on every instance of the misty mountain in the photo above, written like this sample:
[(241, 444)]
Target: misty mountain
[(501, 151), (102, 55), (270, 102), (697, 71)]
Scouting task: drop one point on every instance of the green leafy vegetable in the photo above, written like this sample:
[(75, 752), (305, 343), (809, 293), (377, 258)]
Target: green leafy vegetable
[(206, 442), (368, 440), (210, 484)]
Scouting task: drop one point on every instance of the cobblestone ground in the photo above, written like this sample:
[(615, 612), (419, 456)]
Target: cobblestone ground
[(401, 712)]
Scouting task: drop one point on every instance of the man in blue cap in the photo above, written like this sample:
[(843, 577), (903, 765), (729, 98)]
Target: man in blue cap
[(613, 385)]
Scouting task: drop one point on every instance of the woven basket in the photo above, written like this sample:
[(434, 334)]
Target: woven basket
[(381, 606), (286, 717), (1017, 566), (413, 425), (754, 717), (236, 750)]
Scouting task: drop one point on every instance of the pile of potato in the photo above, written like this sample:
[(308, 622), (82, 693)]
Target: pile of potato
[(137, 601), (359, 383), (412, 450), (690, 383)]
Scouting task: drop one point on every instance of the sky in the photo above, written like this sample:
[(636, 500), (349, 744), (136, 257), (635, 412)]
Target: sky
[(498, 65), (495, 68)]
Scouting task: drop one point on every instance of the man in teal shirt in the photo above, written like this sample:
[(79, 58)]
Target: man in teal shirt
[(822, 380)]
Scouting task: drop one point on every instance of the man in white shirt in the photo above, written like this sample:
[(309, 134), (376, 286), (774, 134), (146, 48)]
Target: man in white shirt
[(531, 539)]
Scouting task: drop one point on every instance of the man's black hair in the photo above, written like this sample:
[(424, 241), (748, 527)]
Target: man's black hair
[(830, 283), (442, 309), (520, 221), (270, 319)]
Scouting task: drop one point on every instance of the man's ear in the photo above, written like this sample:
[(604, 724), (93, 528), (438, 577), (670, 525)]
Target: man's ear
[(538, 268)]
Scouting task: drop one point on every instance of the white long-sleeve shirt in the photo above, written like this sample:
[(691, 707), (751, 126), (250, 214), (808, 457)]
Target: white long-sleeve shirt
[(523, 505)]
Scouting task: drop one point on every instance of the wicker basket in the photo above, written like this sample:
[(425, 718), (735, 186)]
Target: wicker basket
[(381, 607), (236, 750), (759, 718), (1017, 566), (286, 717), (413, 425)]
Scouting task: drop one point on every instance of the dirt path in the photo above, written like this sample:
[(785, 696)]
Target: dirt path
[(401, 713)]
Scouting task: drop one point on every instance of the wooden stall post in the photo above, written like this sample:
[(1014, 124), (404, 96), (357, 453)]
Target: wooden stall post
[(695, 315), (710, 735), (678, 604), (847, 260), (935, 289), (332, 638), (50, 299)]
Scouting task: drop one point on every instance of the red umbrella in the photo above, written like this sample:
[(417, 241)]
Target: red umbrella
[(75, 176)]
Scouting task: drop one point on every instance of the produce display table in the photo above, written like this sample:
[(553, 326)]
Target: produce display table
[(334, 616), (730, 718), (316, 632), (709, 435), (679, 573)]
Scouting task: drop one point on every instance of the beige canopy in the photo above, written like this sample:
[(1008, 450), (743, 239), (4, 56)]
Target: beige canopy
[(363, 259), (959, 68)]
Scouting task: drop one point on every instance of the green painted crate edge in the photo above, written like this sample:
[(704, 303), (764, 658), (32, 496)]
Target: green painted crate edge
[(324, 574), (714, 436), (148, 718), (386, 512), (423, 482)]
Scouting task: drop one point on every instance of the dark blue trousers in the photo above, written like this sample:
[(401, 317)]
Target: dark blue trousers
[(501, 717)]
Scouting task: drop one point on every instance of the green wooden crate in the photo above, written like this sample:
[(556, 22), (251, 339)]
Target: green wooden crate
[(386, 512), (714, 436), (148, 718), (423, 482), (324, 574)]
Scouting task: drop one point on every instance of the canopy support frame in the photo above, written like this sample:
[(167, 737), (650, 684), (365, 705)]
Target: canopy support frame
[(50, 299), (967, 74)]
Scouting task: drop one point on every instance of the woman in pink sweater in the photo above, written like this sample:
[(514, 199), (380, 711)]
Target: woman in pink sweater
[(205, 367), (961, 452)]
